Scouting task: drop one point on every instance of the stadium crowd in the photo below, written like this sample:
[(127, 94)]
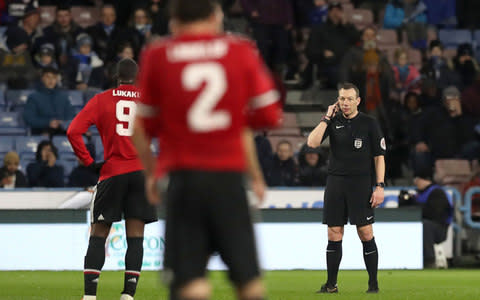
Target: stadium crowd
[(415, 62)]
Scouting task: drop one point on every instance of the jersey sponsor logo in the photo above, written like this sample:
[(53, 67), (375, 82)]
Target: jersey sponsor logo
[(339, 126), (128, 94), (357, 143), (383, 144)]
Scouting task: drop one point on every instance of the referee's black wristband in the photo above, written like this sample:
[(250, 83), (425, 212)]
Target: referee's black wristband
[(324, 119)]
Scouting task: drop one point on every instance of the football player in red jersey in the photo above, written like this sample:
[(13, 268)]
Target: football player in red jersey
[(201, 92), (121, 187)]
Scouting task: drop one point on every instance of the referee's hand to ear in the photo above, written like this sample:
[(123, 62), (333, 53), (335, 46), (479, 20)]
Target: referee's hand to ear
[(377, 197)]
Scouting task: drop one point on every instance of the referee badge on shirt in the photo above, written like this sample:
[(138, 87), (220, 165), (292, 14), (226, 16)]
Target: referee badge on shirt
[(357, 143)]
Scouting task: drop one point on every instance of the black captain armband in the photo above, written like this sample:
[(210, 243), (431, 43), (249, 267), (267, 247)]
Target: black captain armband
[(326, 119)]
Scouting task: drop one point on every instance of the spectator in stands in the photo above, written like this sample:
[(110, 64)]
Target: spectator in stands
[(312, 167), (437, 213), (465, 64), (10, 175), (431, 94), (271, 21), (124, 51), (48, 108), (45, 57), (81, 175), (412, 120), (445, 132), (159, 12), (375, 6), (62, 33), (319, 13), (284, 170), (408, 15), (471, 98), (84, 68), (45, 172), (327, 45), (106, 35), (15, 10), (15, 62), (140, 28), (437, 67), (407, 77), (30, 24), (368, 68)]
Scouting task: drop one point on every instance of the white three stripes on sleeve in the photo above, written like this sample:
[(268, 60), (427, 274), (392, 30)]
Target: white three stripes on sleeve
[(264, 99)]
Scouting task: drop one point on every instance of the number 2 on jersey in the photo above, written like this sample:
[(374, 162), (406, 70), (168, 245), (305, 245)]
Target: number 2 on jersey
[(124, 115), (201, 116)]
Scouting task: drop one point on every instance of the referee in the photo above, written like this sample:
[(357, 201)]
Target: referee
[(356, 140)]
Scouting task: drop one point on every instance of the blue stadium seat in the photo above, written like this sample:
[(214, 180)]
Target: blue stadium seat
[(7, 144), (26, 146), (3, 103), (451, 38), (90, 93), (64, 147), (10, 124), (98, 148), (24, 162), (76, 98), (93, 130), (3, 29), (16, 98), (68, 166)]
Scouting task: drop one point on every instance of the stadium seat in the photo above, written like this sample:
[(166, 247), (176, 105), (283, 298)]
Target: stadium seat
[(76, 98), (451, 38), (7, 144), (415, 57), (10, 124), (348, 8), (3, 29), (290, 120), (387, 38), (452, 171), (94, 130), (3, 103), (64, 147), (47, 15), (68, 166), (26, 146), (98, 147), (361, 18), (292, 131), (85, 16), (24, 162), (17, 98)]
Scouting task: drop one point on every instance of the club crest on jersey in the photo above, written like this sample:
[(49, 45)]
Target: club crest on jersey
[(357, 143)]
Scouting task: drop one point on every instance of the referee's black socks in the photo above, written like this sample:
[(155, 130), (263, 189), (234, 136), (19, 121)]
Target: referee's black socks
[(334, 256), (133, 264), (370, 255), (93, 264)]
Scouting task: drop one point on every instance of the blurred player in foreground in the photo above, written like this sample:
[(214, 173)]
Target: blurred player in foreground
[(121, 187), (201, 91)]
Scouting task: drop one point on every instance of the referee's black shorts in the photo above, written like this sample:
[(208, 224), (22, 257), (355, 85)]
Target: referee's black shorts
[(208, 212), (122, 195), (348, 198)]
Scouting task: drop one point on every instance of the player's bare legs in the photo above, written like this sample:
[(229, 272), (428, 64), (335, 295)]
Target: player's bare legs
[(252, 290), (370, 255), (133, 256), (196, 289), (94, 259)]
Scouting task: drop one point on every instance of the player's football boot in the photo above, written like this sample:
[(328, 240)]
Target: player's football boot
[(328, 289), (126, 297), (372, 289)]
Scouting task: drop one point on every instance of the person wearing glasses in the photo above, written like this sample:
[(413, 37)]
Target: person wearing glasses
[(357, 144)]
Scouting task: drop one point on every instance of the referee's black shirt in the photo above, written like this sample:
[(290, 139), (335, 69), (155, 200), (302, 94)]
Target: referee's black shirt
[(353, 144)]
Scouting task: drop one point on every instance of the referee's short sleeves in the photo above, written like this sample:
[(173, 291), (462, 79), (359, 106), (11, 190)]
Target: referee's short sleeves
[(377, 139)]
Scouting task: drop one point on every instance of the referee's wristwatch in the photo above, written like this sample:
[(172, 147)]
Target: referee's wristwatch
[(380, 184)]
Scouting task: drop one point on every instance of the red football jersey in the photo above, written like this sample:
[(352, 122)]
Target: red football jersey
[(199, 93), (113, 112)]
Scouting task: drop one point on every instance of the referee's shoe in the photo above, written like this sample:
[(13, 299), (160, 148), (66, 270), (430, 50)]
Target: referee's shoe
[(328, 289)]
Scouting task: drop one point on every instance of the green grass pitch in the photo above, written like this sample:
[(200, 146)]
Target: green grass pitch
[(282, 285)]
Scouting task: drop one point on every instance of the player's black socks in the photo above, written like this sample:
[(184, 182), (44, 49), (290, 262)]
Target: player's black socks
[(133, 264), (334, 256), (93, 264), (370, 255)]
